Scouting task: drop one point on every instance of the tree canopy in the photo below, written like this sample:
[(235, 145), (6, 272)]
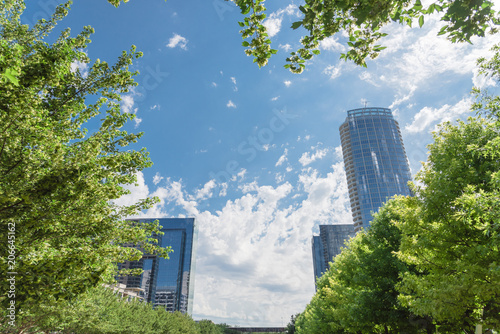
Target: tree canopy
[(451, 227), (58, 180), (358, 294)]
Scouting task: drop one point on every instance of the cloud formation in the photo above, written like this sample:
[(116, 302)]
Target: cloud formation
[(432, 116), (177, 41), (274, 20), (256, 246), (308, 158)]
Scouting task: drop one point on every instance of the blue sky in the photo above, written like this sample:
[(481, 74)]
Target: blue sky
[(254, 154)]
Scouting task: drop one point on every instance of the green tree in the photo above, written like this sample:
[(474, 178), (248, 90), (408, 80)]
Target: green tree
[(362, 21), (290, 327), (101, 310), (451, 227), (358, 294), (208, 327), (58, 180)]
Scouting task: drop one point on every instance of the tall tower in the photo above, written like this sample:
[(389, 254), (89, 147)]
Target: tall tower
[(328, 244), (375, 161), (168, 283)]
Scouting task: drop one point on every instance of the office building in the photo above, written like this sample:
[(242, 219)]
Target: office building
[(329, 244), (169, 282), (375, 161)]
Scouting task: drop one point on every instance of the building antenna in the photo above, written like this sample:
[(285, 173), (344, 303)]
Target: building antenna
[(366, 102)]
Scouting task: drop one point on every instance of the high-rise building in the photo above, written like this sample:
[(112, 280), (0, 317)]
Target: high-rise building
[(329, 244), (169, 282), (375, 161)]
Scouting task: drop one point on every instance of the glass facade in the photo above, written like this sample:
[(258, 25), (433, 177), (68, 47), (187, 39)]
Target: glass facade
[(329, 244), (375, 161), (169, 282)]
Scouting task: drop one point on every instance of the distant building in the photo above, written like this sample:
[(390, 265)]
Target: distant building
[(329, 244), (375, 161), (168, 283)]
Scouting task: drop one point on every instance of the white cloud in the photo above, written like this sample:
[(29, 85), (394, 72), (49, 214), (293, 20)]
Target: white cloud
[(275, 98), (223, 190), (81, 66), (257, 250), (287, 83), (233, 80), (137, 192), (157, 178), (331, 44), (481, 81), (273, 24), (285, 47), (156, 106), (241, 174), (279, 177), (282, 159), (230, 104), (127, 106), (214, 84), (428, 116), (338, 152), (256, 246), (274, 20), (308, 158), (127, 103), (206, 191), (137, 120), (400, 99), (422, 55), (366, 76), (333, 71), (177, 41), (292, 10)]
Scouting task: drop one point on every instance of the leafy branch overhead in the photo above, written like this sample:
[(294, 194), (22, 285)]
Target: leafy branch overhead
[(361, 21)]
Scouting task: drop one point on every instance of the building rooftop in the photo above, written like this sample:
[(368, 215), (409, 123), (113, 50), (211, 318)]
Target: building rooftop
[(369, 112)]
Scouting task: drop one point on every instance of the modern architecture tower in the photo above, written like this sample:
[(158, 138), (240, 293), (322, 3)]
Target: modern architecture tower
[(329, 244), (168, 283), (375, 161)]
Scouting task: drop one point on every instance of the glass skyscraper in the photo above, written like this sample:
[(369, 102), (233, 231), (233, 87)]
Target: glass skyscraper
[(375, 161), (329, 244), (168, 283)]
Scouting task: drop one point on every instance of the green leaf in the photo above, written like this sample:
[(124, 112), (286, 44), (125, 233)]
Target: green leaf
[(296, 25), (417, 6), (11, 75), (421, 21)]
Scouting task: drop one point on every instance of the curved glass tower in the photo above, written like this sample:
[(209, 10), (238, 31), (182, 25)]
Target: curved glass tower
[(375, 161), (167, 283)]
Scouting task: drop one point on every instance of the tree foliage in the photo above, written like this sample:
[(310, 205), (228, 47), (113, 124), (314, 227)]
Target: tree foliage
[(57, 179), (101, 311), (358, 294), (362, 21), (451, 227)]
